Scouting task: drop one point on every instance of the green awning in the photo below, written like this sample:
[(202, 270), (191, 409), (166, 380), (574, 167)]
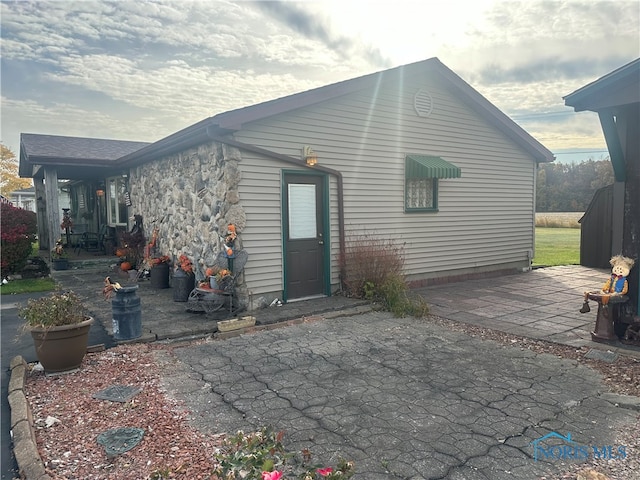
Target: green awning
[(426, 166)]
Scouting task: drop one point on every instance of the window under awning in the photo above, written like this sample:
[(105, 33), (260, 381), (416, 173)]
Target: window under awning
[(426, 166)]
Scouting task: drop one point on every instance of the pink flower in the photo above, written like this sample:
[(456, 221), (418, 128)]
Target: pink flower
[(324, 471), (275, 475)]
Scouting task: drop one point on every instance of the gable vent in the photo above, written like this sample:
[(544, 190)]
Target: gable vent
[(423, 103)]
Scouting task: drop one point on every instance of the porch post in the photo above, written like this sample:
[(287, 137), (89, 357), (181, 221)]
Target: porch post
[(41, 213), (51, 200)]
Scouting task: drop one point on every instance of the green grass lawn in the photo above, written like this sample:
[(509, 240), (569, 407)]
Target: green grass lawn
[(28, 286), (557, 246)]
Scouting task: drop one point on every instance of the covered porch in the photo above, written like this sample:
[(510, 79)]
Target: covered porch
[(89, 172)]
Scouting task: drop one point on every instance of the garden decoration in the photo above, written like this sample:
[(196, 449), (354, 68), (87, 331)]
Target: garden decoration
[(184, 279), (151, 246), (58, 250), (59, 257), (617, 283), (154, 267), (230, 239), (117, 441), (126, 311), (134, 244), (218, 291), (610, 297), (109, 288), (66, 224)]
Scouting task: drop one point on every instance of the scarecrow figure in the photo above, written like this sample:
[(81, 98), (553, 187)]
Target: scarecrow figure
[(617, 283)]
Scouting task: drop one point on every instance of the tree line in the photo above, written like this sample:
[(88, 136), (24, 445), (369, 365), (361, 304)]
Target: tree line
[(569, 187)]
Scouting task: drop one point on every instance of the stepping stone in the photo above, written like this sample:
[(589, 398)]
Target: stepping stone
[(607, 356), (120, 440), (117, 393)]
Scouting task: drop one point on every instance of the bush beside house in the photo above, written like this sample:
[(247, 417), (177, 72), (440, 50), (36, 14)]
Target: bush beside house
[(19, 229)]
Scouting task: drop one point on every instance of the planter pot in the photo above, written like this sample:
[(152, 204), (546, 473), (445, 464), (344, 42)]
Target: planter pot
[(160, 275), (61, 348), (236, 323), (182, 284), (60, 264)]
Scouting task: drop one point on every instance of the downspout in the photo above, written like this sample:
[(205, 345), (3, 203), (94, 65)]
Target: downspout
[(299, 163)]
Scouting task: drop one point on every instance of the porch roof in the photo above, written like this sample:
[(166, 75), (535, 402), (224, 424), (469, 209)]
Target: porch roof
[(617, 88), (75, 158)]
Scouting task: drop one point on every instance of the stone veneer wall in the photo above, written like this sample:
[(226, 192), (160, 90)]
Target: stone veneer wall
[(191, 197)]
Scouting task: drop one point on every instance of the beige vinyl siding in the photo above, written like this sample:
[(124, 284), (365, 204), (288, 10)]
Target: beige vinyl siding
[(259, 192), (261, 197), (485, 218)]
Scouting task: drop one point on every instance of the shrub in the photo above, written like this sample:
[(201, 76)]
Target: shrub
[(56, 309), (558, 219), (394, 295), (366, 264), (372, 269), (261, 455), (134, 243), (18, 232)]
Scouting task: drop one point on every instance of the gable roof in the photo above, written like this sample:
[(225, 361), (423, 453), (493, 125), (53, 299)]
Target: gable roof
[(74, 153), (233, 120), (620, 87)]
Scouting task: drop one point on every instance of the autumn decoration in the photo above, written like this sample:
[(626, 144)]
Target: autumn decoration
[(230, 239), (185, 264)]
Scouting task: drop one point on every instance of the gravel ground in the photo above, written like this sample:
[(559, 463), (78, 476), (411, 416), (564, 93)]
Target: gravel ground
[(68, 446), (170, 448)]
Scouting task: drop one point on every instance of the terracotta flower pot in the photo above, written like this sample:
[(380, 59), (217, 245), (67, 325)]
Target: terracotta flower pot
[(61, 348)]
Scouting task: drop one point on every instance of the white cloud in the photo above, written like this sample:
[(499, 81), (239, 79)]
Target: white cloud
[(68, 119), (98, 66)]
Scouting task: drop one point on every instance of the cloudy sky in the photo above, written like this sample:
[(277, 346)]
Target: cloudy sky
[(141, 70)]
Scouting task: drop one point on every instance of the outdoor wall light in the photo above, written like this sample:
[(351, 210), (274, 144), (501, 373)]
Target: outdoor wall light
[(309, 156)]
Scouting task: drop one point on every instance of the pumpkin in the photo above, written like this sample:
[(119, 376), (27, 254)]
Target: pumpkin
[(125, 266)]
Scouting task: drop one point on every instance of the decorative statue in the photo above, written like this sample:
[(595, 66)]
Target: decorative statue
[(617, 283), (230, 239), (137, 225)]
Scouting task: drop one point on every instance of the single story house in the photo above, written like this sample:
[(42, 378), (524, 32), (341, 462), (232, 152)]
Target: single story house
[(24, 198), (615, 97), (412, 154)]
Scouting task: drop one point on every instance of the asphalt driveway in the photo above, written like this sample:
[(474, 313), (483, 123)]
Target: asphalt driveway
[(403, 398)]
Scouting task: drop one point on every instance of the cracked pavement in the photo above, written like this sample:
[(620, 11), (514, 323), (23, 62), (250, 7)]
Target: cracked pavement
[(402, 397)]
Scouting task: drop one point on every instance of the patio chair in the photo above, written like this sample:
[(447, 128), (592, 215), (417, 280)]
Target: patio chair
[(92, 241), (211, 300)]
